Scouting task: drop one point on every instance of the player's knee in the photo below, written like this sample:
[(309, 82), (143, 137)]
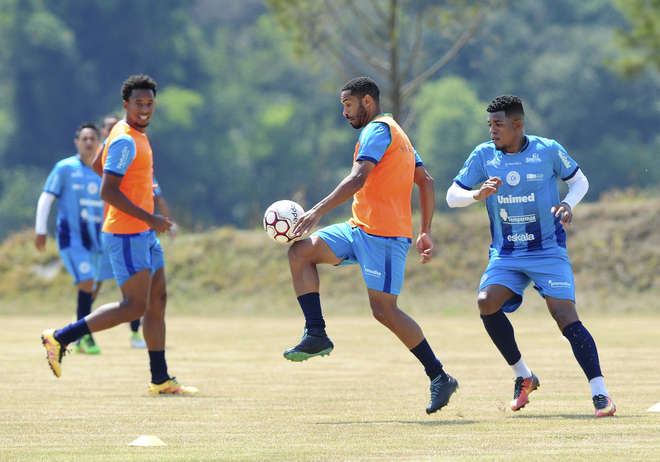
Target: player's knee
[(381, 313), (486, 304), (299, 252), (134, 309)]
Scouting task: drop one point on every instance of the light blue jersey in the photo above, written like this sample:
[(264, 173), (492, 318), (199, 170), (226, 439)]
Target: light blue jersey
[(375, 138), (520, 219), (80, 208)]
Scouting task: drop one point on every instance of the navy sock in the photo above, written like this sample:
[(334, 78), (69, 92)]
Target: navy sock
[(432, 366), (84, 304), (584, 349), (501, 333), (311, 307), (135, 325), (72, 332), (158, 367)]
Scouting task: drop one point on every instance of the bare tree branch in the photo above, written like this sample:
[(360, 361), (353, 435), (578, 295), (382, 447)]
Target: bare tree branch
[(370, 28), (414, 52), (379, 11), (412, 86)]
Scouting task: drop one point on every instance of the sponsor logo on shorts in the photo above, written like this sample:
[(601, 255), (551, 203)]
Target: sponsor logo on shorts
[(564, 159), (520, 237), (555, 284), (513, 178), (372, 272), (516, 219), (515, 199)]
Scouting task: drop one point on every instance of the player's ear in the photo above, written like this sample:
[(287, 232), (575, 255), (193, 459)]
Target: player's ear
[(367, 100)]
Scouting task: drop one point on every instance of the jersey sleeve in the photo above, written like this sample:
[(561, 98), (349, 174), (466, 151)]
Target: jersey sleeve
[(418, 160), (563, 165), (472, 172), (55, 181), (374, 140), (156, 186), (121, 153)]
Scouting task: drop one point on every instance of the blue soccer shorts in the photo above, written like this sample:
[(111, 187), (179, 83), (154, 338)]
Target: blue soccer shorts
[(130, 253), (79, 262), (382, 259), (102, 266), (552, 277)]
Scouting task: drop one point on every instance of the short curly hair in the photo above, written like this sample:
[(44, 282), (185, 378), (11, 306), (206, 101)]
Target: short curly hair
[(361, 86), (511, 105), (137, 82)]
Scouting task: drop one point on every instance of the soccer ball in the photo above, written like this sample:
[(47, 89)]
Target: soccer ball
[(280, 218)]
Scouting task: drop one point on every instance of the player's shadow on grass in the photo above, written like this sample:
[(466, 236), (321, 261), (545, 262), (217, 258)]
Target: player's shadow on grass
[(553, 416), (432, 423)]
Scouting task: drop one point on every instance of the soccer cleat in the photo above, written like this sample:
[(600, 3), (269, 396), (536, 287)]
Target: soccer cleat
[(137, 341), (604, 406), (87, 345), (521, 391), (54, 351), (441, 391), (171, 387), (310, 346)]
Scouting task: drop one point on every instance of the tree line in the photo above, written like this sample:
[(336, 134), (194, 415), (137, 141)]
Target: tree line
[(248, 110)]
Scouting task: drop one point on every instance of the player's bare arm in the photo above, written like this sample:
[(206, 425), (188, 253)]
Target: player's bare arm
[(97, 163), (344, 191), (424, 183), (488, 188), (111, 194)]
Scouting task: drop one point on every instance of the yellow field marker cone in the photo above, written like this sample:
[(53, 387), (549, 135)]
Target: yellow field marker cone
[(147, 440)]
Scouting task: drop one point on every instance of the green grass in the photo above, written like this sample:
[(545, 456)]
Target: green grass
[(363, 403)]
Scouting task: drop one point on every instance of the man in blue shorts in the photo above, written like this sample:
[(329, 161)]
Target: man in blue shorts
[(377, 237), (129, 237), (80, 214), (518, 176)]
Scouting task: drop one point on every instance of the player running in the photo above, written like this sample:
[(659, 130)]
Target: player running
[(79, 216), (129, 236), (518, 176), (377, 237)]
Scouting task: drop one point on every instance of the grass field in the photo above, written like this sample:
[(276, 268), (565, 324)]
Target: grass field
[(364, 402)]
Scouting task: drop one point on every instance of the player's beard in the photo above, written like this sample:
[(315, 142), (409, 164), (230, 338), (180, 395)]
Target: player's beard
[(360, 118)]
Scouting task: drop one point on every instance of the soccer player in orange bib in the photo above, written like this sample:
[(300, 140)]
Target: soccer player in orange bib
[(129, 237), (377, 237)]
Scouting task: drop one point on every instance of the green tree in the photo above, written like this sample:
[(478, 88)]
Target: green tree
[(641, 43), (451, 121), (388, 39)]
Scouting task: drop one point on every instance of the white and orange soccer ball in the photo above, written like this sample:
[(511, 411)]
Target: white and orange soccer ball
[(280, 218)]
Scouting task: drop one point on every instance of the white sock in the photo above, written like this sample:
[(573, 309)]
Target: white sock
[(520, 369), (597, 385)]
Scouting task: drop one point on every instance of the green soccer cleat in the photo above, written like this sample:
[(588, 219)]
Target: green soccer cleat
[(137, 341), (87, 345), (310, 346)]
